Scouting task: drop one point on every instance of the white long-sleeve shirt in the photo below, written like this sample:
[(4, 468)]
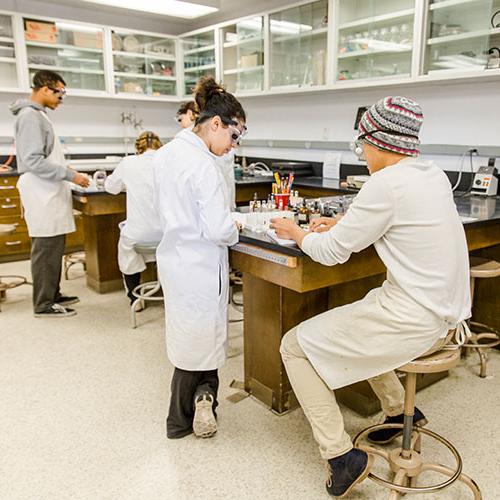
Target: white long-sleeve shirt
[(135, 174), (407, 212)]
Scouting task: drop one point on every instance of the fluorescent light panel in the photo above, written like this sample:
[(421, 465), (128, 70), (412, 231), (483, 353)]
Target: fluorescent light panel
[(175, 8)]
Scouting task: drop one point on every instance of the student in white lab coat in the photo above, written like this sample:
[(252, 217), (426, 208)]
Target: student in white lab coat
[(186, 116), (45, 192), (135, 175), (406, 210), (192, 256)]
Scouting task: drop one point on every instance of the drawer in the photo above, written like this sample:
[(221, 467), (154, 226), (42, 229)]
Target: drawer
[(8, 185), (16, 220), (10, 206), (16, 243)]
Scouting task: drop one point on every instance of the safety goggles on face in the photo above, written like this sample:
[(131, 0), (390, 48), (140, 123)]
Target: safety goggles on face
[(236, 134), (356, 145), (178, 118), (61, 93)]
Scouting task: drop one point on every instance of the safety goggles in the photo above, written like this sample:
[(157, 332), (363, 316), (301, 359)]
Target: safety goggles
[(236, 134), (178, 118), (61, 93), (356, 146)]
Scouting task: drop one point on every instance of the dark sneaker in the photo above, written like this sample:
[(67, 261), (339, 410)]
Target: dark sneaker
[(56, 311), (204, 423), (347, 471), (385, 436), (66, 300)]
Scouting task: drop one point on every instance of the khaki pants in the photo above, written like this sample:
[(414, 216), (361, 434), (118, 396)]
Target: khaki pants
[(318, 401)]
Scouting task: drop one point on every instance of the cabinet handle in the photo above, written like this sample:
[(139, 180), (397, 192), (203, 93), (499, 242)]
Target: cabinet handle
[(13, 243), (9, 206), (4, 188)]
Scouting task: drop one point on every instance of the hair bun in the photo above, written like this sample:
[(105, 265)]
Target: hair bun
[(206, 89)]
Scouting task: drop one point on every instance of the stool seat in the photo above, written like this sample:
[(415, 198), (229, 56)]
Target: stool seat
[(484, 268), (440, 361)]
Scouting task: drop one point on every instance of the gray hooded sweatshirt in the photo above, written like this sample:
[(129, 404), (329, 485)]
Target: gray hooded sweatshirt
[(35, 141)]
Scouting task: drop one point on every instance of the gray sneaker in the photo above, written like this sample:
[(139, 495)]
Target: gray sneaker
[(56, 311), (204, 423)]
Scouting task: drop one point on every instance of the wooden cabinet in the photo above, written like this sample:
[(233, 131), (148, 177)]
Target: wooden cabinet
[(17, 245)]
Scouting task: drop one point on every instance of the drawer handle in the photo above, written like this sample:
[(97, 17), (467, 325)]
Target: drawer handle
[(9, 206), (13, 243), (4, 188)]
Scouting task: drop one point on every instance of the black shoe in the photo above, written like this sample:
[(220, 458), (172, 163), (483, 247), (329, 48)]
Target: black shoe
[(385, 436), (66, 300), (347, 471), (56, 311)]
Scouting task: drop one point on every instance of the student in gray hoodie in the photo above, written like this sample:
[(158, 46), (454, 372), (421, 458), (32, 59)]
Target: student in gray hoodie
[(45, 192)]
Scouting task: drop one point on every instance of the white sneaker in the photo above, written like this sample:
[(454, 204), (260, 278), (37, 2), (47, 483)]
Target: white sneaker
[(56, 311), (204, 423)]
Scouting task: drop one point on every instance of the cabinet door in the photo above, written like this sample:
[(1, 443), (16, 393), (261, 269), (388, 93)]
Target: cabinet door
[(375, 38), (243, 55), (460, 34), (199, 58), (75, 51), (298, 45), (143, 64), (8, 68)]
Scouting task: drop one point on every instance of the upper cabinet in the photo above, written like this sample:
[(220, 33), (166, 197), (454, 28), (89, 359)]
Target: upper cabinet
[(199, 58), (460, 33), (73, 50), (375, 38), (298, 41), (8, 66), (243, 55), (143, 64)]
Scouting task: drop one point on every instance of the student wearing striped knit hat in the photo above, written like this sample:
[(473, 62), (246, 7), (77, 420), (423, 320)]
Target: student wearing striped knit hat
[(406, 211)]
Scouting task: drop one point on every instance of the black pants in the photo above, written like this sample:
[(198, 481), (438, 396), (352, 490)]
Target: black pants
[(186, 387), (131, 281), (46, 264)]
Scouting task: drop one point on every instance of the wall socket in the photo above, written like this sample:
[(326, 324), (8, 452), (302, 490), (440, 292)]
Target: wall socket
[(326, 134)]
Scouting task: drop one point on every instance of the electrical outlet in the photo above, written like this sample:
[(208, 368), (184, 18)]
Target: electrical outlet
[(326, 134)]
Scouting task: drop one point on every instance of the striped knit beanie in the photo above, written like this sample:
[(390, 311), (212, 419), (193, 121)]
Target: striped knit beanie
[(393, 116)]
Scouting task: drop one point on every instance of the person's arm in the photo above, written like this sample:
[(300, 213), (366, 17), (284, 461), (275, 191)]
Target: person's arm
[(366, 221), (216, 221), (114, 183), (31, 153)]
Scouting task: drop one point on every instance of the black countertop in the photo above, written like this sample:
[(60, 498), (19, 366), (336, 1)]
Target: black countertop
[(312, 182), (472, 210)]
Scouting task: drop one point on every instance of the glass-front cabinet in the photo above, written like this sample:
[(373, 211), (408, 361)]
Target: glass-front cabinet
[(243, 55), (375, 38), (462, 35), (75, 51), (143, 64), (8, 67), (198, 52), (298, 40)]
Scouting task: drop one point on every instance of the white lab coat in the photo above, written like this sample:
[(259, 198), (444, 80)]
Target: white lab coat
[(135, 175), (47, 205), (407, 211), (192, 256)]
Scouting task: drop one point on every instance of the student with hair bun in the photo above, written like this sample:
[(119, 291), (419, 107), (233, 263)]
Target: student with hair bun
[(135, 174), (186, 114), (192, 256)]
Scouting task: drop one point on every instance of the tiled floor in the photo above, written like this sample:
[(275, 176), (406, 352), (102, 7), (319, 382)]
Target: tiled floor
[(83, 403)]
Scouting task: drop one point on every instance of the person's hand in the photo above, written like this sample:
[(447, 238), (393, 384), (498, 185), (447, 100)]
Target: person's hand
[(287, 230), (81, 180), (239, 225), (323, 224)]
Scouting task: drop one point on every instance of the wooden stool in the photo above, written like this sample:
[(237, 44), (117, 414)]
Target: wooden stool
[(144, 291), (406, 461), (488, 336), (74, 258), (13, 279)]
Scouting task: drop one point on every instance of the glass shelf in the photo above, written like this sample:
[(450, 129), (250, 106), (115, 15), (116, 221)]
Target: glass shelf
[(299, 44), (199, 58), (73, 50), (375, 39), (8, 66), (459, 35), (143, 64), (243, 55)]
